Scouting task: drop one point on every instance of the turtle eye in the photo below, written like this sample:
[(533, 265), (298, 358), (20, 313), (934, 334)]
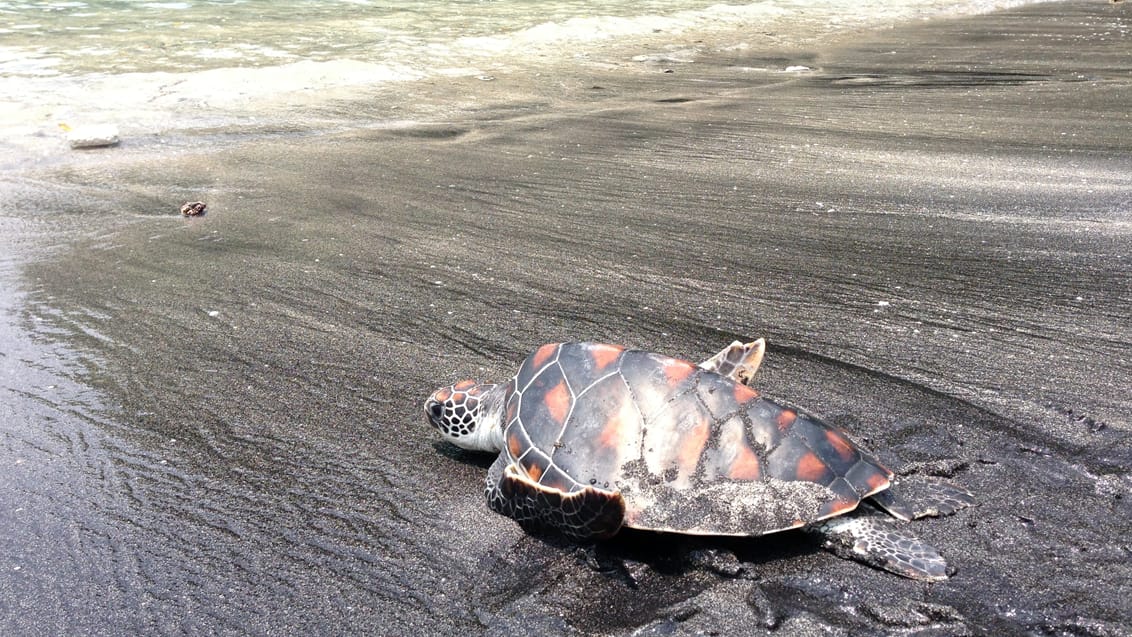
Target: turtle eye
[(435, 412)]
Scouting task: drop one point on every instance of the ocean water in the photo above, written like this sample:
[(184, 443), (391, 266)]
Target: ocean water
[(161, 71)]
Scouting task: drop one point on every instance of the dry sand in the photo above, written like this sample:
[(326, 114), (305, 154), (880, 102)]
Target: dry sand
[(214, 425)]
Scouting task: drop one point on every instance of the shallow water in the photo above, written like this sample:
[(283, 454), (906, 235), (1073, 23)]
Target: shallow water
[(79, 37), (171, 74)]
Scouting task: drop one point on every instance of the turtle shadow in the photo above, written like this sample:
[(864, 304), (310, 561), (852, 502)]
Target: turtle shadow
[(677, 555), (474, 458)]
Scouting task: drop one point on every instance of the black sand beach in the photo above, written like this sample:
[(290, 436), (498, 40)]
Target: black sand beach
[(213, 425)]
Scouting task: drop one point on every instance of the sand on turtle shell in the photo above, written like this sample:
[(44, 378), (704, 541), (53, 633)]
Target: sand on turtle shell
[(723, 507)]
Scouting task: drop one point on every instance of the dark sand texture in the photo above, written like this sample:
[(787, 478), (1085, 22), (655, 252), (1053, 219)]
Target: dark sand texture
[(933, 230)]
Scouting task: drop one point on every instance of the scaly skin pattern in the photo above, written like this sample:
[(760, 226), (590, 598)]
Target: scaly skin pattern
[(584, 514), (877, 541)]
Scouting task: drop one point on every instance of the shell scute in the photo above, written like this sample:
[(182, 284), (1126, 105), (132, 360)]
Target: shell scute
[(811, 469), (673, 438), (690, 446), (844, 492), (512, 413), (603, 433), (517, 441), (840, 446), (793, 460), (762, 417), (605, 355), (585, 366), (743, 394), (556, 478), (534, 364), (736, 458), (677, 372), (833, 447), (534, 464), (544, 354), (745, 466), (544, 406), (840, 506), (655, 380), (785, 419), (558, 401), (867, 477), (718, 395)]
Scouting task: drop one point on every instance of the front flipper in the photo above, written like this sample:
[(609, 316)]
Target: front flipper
[(585, 514), (914, 497), (871, 539), (738, 361)]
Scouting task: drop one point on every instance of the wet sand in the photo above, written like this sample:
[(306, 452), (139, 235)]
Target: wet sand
[(213, 425)]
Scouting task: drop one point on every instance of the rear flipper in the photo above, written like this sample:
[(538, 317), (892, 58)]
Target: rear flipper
[(868, 537), (738, 361), (914, 497)]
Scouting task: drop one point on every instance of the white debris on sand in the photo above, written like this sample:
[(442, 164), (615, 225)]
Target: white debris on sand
[(90, 135)]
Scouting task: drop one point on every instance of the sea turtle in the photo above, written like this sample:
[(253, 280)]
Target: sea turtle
[(595, 437), (194, 209)]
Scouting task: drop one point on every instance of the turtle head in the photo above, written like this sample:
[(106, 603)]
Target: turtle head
[(468, 414)]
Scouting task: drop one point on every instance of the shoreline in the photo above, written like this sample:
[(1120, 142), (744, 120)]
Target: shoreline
[(166, 111), (933, 271)]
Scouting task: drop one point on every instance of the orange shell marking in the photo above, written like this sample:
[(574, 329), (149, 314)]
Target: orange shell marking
[(837, 507), (514, 445), (558, 401), (810, 467), (533, 471), (543, 354), (691, 446), (840, 445), (786, 418), (744, 393), (675, 371), (610, 436), (603, 355), (877, 481), (745, 466)]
